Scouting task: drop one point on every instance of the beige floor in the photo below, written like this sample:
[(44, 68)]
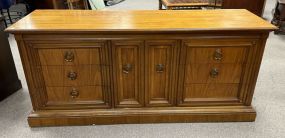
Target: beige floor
[(269, 101)]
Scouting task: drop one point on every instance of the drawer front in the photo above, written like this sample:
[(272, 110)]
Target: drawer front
[(210, 92), (128, 66), (213, 73), (161, 61), (75, 56), (73, 75), (76, 95), (218, 54)]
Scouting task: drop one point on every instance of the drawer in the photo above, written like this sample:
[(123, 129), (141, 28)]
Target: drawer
[(80, 56), (213, 73), (73, 75), (216, 55), (211, 92), (75, 94)]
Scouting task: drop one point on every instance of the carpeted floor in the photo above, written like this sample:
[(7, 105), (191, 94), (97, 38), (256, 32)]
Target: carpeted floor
[(269, 101)]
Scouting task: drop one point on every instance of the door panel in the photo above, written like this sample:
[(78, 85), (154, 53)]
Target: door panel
[(128, 66), (161, 63)]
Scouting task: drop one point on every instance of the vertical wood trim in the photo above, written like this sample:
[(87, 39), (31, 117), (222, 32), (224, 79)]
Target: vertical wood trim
[(182, 68), (105, 67), (27, 65), (256, 67), (246, 76), (112, 75), (176, 72)]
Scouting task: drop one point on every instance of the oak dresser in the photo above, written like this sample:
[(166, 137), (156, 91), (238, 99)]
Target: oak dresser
[(111, 67)]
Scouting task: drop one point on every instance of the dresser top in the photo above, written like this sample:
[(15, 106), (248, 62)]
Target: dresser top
[(135, 21)]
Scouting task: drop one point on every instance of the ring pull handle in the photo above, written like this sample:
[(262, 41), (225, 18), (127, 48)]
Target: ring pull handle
[(69, 56), (74, 93), (214, 72), (127, 68), (72, 75), (160, 68), (218, 55)]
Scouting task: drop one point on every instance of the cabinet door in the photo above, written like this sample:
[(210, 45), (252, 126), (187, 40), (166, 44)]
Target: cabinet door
[(128, 67), (160, 72)]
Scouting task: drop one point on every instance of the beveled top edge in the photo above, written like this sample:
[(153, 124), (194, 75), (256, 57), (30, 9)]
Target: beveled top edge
[(140, 21)]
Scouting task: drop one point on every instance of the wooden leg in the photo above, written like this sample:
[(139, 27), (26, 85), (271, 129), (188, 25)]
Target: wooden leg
[(160, 4)]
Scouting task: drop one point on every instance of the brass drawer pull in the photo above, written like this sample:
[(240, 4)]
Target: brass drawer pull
[(72, 75), (218, 55), (74, 93), (69, 56), (160, 68), (127, 68), (214, 72)]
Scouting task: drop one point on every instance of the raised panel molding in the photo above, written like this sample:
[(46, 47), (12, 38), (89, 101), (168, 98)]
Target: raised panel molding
[(128, 64), (50, 74), (231, 82), (160, 75)]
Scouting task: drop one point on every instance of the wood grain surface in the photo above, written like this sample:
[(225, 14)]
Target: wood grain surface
[(98, 21), (129, 69)]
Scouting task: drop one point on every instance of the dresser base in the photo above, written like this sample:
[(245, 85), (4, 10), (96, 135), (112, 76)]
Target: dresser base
[(139, 115)]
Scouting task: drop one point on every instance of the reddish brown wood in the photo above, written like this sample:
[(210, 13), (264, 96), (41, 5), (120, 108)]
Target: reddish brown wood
[(254, 6)]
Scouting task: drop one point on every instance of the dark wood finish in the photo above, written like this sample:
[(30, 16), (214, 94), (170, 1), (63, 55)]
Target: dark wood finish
[(77, 4), (9, 81), (279, 17), (47, 4), (254, 6), (189, 70), (177, 4)]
